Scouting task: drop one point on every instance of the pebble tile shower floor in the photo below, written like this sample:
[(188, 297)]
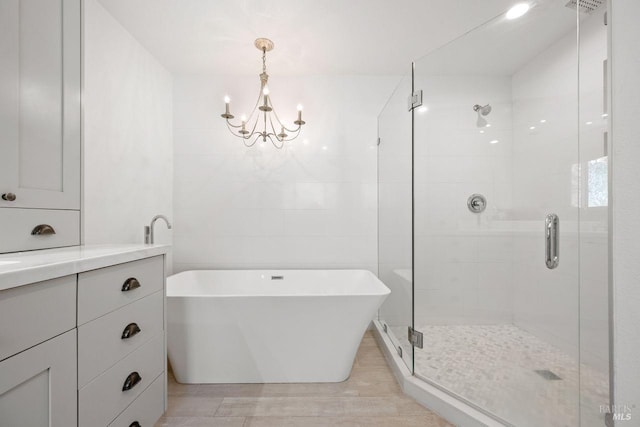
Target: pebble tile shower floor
[(496, 367), (371, 397)]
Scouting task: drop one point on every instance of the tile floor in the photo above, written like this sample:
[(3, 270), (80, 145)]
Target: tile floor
[(494, 366), (370, 397)]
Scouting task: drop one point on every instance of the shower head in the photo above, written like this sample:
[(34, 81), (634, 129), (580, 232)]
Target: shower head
[(482, 111), (585, 6)]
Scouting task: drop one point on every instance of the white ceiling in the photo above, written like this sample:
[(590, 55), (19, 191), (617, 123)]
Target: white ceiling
[(369, 37)]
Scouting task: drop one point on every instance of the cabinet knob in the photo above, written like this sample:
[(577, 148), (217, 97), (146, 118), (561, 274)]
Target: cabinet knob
[(132, 380), (9, 197), (43, 230), (131, 330), (135, 424), (130, 284)]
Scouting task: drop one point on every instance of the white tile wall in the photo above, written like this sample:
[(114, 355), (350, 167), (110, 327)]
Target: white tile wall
[(395, 208), (546, 89), (546, 303), (310, 205), (128, 150), (463, 265)]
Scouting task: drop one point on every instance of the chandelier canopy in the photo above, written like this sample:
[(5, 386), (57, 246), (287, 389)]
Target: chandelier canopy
[(263, 120)]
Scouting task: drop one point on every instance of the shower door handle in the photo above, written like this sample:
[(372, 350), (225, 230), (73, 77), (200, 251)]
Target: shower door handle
[(552, 235)]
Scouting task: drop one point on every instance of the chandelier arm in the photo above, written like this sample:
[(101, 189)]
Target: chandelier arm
[(255, 107), (248, 136), (275, 115), (281, 124), (232, 125), (253, 129), (297, 133), (274, 144), (273, 128), (229, 126), (285, 139), (251, 144)]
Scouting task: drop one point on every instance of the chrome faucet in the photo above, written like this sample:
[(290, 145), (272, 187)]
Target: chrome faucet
[(148, 229)]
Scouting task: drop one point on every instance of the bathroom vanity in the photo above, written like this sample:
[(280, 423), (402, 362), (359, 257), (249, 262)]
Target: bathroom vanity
[(82, 336)]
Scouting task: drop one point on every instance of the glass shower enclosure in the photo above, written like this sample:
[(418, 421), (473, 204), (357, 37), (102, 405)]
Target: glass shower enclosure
[(493, 216)]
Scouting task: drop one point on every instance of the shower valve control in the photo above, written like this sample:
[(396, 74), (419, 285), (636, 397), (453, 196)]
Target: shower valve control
[(477, 203)]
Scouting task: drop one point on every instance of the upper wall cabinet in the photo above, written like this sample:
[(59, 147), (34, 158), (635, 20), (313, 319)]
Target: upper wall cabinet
[(40, 104)]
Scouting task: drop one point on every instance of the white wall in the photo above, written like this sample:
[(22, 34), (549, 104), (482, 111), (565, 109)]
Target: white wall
[(127, 134), (395, 209), (566, 306), (546, 301), (463, 261), (626, 204), (594, 220), (311, 205)]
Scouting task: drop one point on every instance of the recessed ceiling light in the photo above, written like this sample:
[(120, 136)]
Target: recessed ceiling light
[(481, 131), (543, 121), (325, 148), (589, 123), (423, 109), (532, 127), (518, 10), (494, 141), (605, 115), (488, 125)]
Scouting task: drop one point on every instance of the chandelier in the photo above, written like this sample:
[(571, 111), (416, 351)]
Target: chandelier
[(263, 121)]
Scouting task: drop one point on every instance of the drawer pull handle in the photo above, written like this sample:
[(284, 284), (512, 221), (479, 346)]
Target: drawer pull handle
[(131, 330), (132, 380), (9, 197), (43, 230), (135, 424), (130, 284)]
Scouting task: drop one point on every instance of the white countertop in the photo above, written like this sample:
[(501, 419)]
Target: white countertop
[(21, 268)]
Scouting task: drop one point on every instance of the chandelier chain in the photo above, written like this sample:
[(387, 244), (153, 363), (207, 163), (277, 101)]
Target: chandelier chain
[(264, 60)]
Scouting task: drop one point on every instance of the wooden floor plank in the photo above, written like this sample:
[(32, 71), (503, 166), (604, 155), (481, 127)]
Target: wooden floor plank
[(371, 397)]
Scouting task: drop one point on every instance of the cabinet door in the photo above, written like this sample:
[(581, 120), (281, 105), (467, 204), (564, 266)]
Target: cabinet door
[(40, 103), (38, 386)]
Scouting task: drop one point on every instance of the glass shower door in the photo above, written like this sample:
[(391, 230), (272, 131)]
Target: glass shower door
[(395, 218), (496, 221)]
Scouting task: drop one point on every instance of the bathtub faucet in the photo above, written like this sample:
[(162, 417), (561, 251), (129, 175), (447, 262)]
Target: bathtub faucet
[(148, 229)]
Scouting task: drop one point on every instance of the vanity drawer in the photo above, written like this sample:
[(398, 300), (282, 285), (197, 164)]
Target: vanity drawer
[(100, 342), (104, 290), (17, 226), (146, 409), (100, 401), (28, 316)]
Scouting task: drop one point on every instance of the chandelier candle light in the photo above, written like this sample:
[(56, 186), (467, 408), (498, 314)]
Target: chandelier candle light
[(266, 113)]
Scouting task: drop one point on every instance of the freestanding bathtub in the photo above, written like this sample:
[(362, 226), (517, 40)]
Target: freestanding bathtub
[(239, 326)]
